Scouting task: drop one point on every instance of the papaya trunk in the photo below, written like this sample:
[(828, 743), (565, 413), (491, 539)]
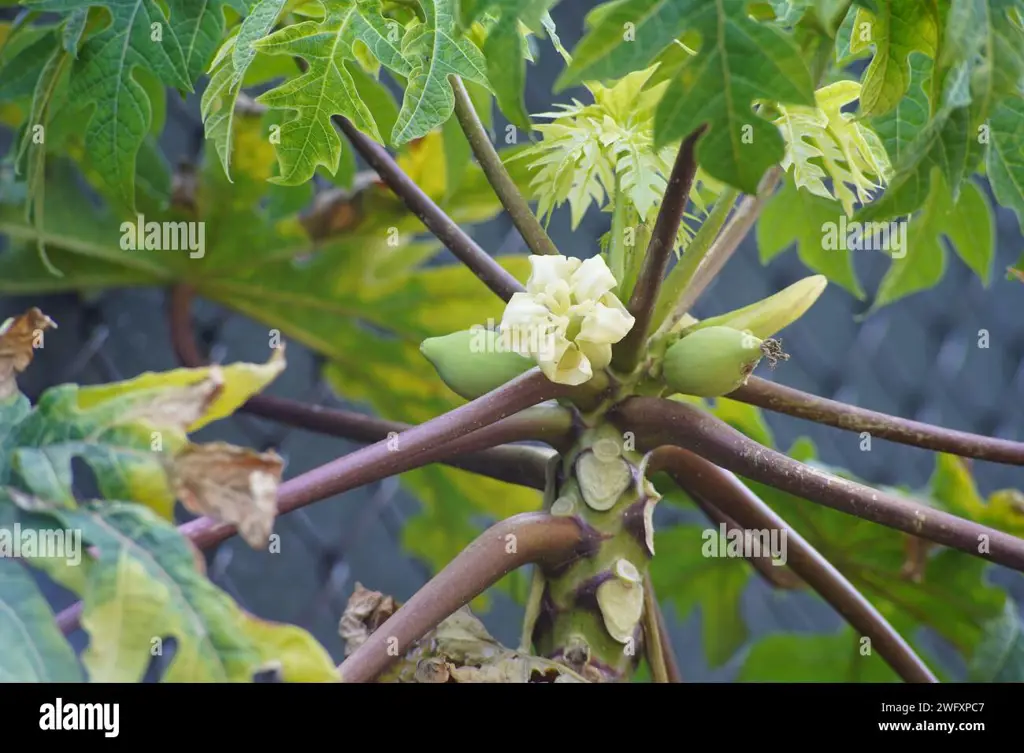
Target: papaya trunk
[(589, 617)]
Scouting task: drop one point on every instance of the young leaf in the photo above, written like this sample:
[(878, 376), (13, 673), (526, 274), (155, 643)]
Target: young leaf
[(850, 152), (143, 584), (327, 87), (740, 61), (32, 648), (139, 35), (435, 49), (897, 29), (589, 151)]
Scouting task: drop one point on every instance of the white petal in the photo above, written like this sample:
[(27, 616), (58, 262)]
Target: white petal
[(606, 324), (546, 269), (599, 354), (572, 368), (557, 296), (592, 280), (523, 309)]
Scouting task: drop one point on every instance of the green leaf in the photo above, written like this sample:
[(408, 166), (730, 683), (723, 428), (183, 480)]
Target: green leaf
[(227, 73), (102, 80), (968, 224), (1005, 163), (504, 50), (199, 28), (32, 648), (815, 658), (917, 146), (794, 215), (687, 577), (143, 584), (327, 87), (946, 590), (1000, 656), (435, 50), (899, 28), (740, 61)]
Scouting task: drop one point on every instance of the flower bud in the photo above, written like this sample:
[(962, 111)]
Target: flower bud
[(770, 315), (711, 361), (473, 362)]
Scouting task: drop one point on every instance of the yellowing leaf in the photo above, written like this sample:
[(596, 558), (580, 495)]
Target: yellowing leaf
[(143, 588), (240, 382), (128, 432)]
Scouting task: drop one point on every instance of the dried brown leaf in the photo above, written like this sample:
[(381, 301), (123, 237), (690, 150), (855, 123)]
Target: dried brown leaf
[(231, 484), (459, 649), (19, 337)]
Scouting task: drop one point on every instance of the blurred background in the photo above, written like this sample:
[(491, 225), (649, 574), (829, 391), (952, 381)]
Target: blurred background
[(918, 358)]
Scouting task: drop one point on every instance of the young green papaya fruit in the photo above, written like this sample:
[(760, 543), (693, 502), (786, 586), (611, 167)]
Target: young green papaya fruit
[(772, 314), (473, 362), (711, 361)]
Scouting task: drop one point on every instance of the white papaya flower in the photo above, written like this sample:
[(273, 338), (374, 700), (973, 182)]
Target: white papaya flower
[(568, 318)]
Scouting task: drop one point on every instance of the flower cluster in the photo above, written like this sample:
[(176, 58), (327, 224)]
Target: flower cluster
[(568, 318)]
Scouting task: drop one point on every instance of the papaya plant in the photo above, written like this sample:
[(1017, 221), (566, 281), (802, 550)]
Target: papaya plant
[(579, 373)]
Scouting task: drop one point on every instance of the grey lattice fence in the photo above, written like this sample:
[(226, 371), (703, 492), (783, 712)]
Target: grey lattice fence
[(918, 358)]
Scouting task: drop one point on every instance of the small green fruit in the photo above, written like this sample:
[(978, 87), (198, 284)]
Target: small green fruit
[(473, 362), (711, 361), (772, 314)]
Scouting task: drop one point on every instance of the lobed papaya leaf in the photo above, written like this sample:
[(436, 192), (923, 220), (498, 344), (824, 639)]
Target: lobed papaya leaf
[(32, 648), (141, 586)]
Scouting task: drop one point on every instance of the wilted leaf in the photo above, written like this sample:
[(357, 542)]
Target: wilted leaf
[(19, 337), (231, 484), (127, 431), (459, 649)]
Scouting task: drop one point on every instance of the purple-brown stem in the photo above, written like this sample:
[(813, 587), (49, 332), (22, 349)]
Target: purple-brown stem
[(418, 446), (793, 402), (663, 240), (702, 479), (657, 422), (513, 464), (522, 539), (430, 214)]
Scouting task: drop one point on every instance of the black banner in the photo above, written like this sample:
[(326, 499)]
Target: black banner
[(275, 713)]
